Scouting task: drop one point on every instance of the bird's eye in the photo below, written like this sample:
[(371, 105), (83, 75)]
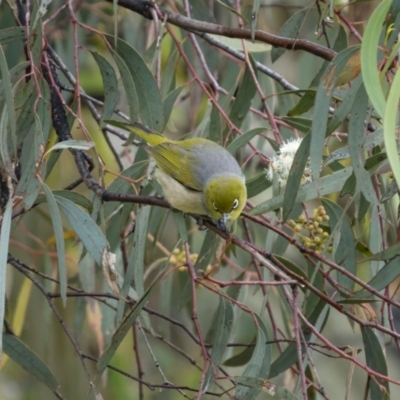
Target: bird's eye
[(215, 208), (235, 204)]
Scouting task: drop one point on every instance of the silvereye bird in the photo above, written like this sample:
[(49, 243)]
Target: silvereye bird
[(197, 175)]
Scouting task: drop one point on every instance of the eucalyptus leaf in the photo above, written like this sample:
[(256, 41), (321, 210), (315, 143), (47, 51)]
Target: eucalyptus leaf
[(375, 359), (222, 332), (110, 87), (326, 185), (27, 359), (4, 244), (87, 230), (60, 245)]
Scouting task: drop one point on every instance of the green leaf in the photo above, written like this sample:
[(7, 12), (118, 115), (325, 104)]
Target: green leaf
[(259, 364), (295, 176), (125, 327), (129, 86), (180, 223), (60, 245), (305, 103), (387, 254), (76, 198), (345, 106), (245, 94), (169, 101), (290, 30), (11, 34), (356, 141), (29, 185), (300, 123), (254, 18), (4, 243), (110, 83), (135, 269), (168, 75), (326, 185), (90, 234), (215, 130), (150, 105), (222, 332), (383, 278), (27, 359), (291, 265), (285, 360), (72, 144), (241, 358), (8, 136), (379, 388), (206, 256), (257, 184), (244, 139), (321, 109), (369, 57), (273, 391), (345, 252), (389, 126)]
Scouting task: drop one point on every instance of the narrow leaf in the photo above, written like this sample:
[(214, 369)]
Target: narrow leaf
[(376, 361), (356, 141), (383, 278), (134, 271), (244, 139), (125, 327), (328, 184), (389, 127), (369, 57), (27, 359), (110, 83), (4, 242), (295, 176), (321, 109), (90, 234), (60, 245), (224, 321), (11, 34), (72, 144), (259, 364), (290, 30), (169, 101), (150, 104), (345, 254), (245, 94)]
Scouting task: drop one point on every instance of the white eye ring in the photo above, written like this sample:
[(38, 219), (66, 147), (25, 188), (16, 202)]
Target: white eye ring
[(215, 208), (235, 204)]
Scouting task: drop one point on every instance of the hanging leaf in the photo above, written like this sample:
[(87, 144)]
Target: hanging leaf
[(290, 30), (258, 366), (379, 388), (150, 104), (369, 57), (222, 332), (90, 234), (59, 234), (4, 242), (110, 83), (27, 359)]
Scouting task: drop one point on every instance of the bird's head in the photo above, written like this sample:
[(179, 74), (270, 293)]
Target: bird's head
[(225, 198)]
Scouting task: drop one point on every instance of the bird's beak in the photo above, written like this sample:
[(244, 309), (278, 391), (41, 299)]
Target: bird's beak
[(222, 221)]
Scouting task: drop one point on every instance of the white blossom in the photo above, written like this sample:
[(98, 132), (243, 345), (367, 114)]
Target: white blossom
[(282, 162)]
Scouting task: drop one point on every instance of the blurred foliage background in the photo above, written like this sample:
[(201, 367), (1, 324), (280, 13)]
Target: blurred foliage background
[(299, 300)]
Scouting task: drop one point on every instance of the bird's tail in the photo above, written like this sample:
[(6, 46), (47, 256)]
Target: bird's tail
[(148, 135)]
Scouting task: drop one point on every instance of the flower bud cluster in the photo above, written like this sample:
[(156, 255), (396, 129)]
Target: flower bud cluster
[(311, 230)]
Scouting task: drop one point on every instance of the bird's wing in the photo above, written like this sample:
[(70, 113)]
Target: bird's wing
[(177, 162)]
